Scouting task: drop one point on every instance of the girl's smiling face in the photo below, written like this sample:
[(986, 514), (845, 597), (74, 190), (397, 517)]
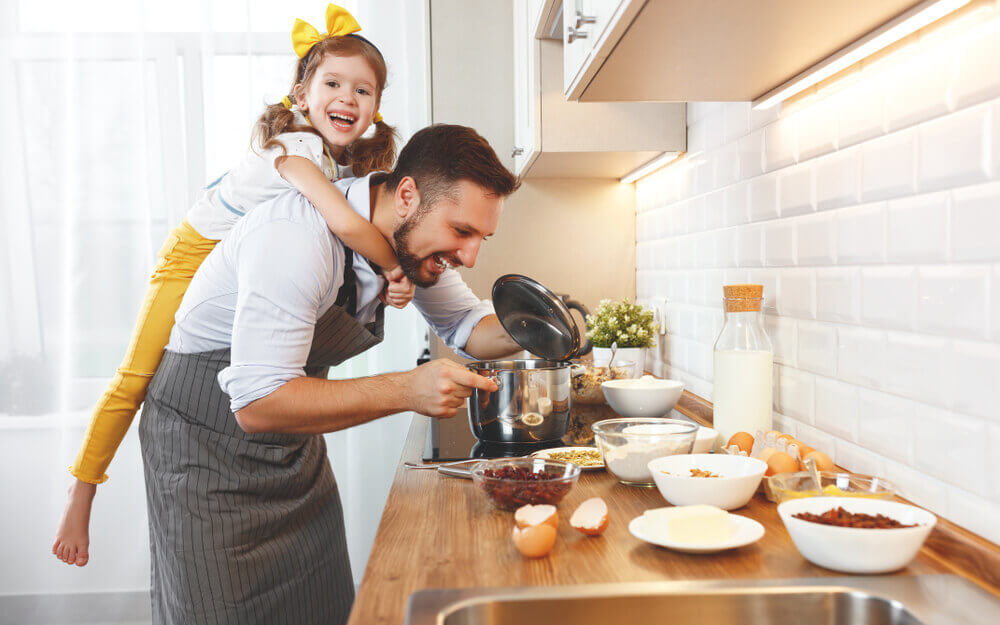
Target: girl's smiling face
[(340, 100)]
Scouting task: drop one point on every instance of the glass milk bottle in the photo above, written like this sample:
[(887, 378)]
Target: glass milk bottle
[(743, 365)]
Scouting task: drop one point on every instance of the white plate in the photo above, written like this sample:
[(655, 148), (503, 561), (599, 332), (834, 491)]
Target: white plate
[(745, 532), (545, 454)]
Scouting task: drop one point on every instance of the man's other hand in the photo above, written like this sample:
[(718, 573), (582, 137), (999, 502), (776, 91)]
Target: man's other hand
[(440, 387)]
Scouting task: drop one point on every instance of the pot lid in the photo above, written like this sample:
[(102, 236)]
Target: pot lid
[(538, 319)]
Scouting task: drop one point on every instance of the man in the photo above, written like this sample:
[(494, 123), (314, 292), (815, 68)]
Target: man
[(245, 519)]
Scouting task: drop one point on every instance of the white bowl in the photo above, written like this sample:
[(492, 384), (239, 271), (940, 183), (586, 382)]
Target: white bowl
[(738, 481), (705, 440), (642, 397), (854, 550)]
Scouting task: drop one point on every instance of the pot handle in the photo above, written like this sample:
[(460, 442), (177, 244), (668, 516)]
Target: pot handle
[(572, 303)]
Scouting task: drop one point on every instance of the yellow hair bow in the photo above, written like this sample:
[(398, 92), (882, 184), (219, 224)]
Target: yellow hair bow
[(377, 118), (339, 22)]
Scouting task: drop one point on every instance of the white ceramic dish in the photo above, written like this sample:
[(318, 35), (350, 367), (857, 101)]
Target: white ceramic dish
[(705, 440), (854, 550), (547, 454), (643, 397), (744, 532), (738, 481)]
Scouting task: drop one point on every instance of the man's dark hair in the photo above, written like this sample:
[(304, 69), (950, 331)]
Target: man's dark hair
[(438, 156)]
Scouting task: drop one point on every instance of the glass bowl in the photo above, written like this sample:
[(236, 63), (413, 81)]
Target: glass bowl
[(513, 482), (628, 445), (785, 486), (586, 379)]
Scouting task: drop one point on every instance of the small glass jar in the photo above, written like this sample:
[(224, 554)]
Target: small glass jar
[(744, 363)]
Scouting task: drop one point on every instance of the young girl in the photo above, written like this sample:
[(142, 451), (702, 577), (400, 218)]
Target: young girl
[(336, 91)]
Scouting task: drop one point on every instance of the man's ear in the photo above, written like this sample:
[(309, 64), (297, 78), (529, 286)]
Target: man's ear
[(407, 197)]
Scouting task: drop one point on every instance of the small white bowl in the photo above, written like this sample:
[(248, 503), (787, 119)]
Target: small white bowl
[(705, 440), (642, 397), (855, 550), (738, 481)]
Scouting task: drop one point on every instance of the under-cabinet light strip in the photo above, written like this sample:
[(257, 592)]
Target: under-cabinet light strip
[(882, 37), (644, 170)]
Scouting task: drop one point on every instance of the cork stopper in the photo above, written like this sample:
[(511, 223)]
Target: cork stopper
[(743, 297)]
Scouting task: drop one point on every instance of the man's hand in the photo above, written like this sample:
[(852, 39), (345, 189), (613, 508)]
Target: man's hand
[(440, 387), (398, 290)]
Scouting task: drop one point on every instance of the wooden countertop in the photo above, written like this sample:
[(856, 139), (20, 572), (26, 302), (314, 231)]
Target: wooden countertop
[(441, 532)]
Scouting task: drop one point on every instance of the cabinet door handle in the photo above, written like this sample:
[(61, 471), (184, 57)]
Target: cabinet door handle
[(516, 152), (572, 34), (582, 19)]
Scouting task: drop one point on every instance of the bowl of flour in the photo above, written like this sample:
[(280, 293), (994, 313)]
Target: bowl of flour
[(628, 445)]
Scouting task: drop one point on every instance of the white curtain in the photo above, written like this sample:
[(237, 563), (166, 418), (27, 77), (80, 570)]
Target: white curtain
[(113, 115)]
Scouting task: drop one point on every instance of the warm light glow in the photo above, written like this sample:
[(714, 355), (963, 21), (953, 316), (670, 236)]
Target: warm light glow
[(644, 170), (884, 36)]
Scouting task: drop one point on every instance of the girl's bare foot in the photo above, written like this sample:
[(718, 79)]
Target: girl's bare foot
[(72, 543)]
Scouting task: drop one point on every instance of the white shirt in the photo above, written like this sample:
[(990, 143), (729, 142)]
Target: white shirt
[(265, 285), (255, 180)]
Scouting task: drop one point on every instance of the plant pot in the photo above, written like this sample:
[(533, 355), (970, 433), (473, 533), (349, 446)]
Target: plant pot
[(635, 355)]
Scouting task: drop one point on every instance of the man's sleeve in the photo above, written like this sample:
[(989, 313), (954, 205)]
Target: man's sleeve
[(283, 271), (452, 309)]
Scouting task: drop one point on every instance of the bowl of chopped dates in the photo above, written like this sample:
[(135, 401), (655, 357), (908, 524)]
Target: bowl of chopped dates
[(855, 535), (513, 482)]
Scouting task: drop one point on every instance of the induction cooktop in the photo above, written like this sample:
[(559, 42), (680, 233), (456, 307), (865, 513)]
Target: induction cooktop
[(452, 439)]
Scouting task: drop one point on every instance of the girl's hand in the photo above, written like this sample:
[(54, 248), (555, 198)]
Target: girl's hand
[(399, 290)]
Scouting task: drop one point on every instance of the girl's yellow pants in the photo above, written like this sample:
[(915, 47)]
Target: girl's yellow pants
[(180, 256)]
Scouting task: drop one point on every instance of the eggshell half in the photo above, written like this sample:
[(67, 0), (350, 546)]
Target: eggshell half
[(529, 516), (591, 517)]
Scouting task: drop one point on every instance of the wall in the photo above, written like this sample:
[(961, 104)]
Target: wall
[(871, 213)]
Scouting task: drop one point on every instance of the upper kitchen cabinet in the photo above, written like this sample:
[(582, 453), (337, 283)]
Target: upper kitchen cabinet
[(554, 138), (704, 50)]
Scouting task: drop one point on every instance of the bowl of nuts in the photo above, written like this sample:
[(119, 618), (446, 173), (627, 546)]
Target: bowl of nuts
[(586, 380), (513, 482)]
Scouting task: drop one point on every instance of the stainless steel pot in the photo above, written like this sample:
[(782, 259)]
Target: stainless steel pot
[(531, 404)]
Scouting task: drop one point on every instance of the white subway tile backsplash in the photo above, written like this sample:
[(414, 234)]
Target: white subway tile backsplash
[(918, 89), (861, 234), (954, 300), (838, 179), (837, 408), (796, 394), (764, 198), (781, 331), (889, 296), (817, 348), (972, 378), (795, 190), (861, 356), (748, 246), (886, 424), (870, 212), (975, 223), (955, 150), (751, 151), (976, 79), (815, 237), (797, 293), (888, 166), (916, 367), (779, 144), (779, 243), (737, 204), (951, 447)]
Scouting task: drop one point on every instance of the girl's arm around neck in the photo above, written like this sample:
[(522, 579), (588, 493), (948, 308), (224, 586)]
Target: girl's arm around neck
[(350, 227)]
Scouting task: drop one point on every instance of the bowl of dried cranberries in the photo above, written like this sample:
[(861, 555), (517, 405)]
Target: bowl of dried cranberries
[(513, 482)]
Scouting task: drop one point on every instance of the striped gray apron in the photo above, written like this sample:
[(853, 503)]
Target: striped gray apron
[(245, 528)]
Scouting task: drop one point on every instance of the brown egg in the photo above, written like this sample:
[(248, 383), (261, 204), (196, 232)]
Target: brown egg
[(535, 541), (529, 515), (780, 462), (787, 437), (742, 440), (766, 453), (823, 461), (772, 434), (804, 450)]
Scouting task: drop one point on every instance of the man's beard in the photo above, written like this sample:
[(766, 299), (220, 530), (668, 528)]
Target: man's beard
[(409, 262)]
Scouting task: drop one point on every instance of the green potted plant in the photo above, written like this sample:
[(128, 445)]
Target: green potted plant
[(629, 325)]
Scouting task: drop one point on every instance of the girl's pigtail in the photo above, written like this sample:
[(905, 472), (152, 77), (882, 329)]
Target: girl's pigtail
[(275, 120), (376, 153)]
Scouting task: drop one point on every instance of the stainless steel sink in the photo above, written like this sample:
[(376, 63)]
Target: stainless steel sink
[(899, 600)]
